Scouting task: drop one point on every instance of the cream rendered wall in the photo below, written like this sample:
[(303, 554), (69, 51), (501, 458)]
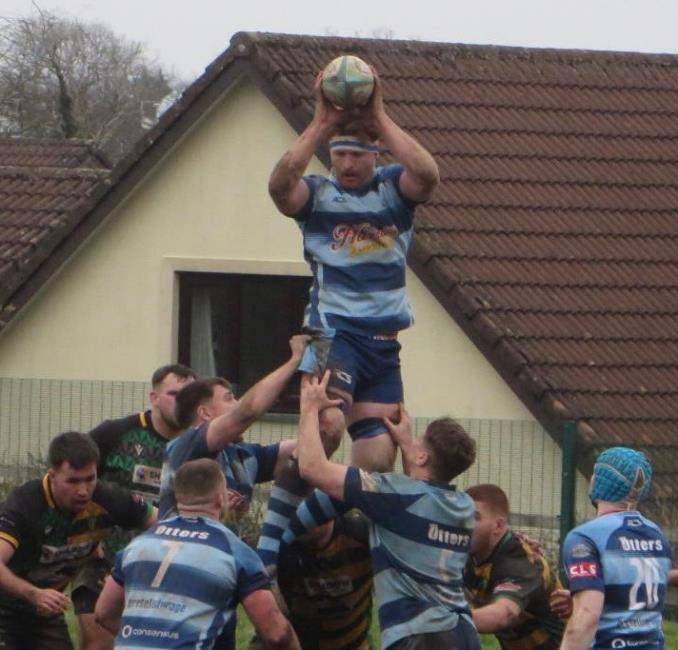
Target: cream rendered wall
[(110, 314)]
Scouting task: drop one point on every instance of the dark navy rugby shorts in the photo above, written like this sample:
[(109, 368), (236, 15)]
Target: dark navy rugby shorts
[(364, 368)]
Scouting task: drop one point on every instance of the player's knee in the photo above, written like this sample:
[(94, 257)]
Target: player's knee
[(332, 424)]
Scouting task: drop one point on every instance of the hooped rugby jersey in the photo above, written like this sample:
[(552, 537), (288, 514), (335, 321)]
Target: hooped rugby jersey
[(328, 591), (516, 571), (244, 464), (356, 243), (627, 557), (183, 580), (420, 537), (51, 544)]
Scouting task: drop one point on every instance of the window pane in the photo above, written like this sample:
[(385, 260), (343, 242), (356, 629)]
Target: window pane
[(238, 326)]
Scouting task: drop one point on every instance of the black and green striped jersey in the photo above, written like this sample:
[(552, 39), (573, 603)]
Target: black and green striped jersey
[(51, 544), (131, 457), (131, 454), (517, 571)]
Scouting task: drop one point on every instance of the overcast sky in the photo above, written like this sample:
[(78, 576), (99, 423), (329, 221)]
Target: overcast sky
[(185, 36)]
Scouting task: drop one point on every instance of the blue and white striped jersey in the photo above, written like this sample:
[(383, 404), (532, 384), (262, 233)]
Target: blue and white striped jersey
[(627, 557), (244, 464), (356, 243), (183, 580), (420, 540)]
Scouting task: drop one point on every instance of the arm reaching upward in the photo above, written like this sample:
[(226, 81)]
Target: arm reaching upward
[(286, 186)]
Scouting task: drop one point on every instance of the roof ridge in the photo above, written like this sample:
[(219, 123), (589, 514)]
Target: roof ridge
[(475, 51), (47, 170)]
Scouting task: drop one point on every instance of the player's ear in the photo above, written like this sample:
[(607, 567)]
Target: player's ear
[(203, 412), (422, 457)]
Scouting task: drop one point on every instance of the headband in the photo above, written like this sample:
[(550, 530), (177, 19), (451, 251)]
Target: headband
[(351, 143)]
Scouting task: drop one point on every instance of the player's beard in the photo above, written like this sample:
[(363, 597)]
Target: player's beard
[(169, 422)]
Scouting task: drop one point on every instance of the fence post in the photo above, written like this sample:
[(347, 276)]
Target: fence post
[(567, 486)]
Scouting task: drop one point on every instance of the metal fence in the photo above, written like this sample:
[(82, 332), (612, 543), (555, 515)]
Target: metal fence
[(518, 455)]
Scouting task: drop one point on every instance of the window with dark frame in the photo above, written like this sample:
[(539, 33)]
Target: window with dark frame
[(238, 326)]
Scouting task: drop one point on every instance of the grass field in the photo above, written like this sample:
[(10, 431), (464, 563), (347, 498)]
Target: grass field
[(244, 634)]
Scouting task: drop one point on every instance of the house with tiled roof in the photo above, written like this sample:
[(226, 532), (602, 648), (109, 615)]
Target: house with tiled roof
[(543, 273)]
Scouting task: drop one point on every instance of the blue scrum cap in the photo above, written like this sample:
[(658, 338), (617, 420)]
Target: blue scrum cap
[(621, 474)]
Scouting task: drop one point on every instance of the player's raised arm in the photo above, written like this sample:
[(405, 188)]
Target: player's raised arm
[(227, 428), (286, 186), (314, 465), (421, 176)]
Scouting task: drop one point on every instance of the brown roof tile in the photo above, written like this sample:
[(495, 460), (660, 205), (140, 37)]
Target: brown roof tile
[(43, 186)]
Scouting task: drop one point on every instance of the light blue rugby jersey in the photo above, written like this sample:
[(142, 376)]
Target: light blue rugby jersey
[(356, 242), (183, 580), (244, 464), (420, 539), (627, 557)]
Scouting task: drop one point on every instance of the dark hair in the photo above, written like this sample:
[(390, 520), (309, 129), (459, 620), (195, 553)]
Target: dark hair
[(76, 449), (492, 495), (193, 395), (363, 129), (177, 369), (197, 480), (451, 449)]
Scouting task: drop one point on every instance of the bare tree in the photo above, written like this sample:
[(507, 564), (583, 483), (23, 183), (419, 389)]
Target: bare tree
[(60, 77)]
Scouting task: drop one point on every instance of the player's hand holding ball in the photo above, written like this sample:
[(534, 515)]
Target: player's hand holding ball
[(347, 82)]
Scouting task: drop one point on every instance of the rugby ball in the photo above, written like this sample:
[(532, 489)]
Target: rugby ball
[(347, 82)]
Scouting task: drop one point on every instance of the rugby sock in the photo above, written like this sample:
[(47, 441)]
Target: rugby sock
[(318, 508), (288, 491)]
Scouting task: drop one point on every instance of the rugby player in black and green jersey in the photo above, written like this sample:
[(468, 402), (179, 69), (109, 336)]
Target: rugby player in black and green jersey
[(131, 450), (48, 528), (508, 580)]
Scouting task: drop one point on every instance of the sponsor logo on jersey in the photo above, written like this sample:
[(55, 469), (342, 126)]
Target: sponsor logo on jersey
[(627, 643), (632, 544), (506, 586), (362, 238), (139, 449), (583, 570), (173, 531), (145, 475), (581, 550), (437, 533), (338, 586), (53, 554), (128, 631)]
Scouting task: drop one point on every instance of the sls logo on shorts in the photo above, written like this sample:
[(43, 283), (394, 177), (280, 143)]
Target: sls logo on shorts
[(583, 570)]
